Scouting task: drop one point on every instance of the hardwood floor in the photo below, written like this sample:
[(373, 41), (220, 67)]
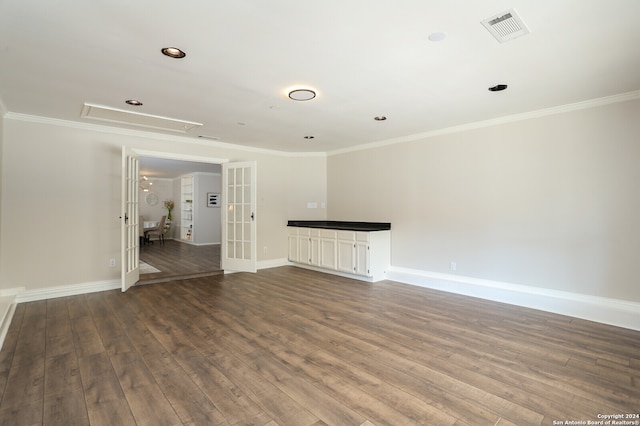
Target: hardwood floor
[(176, 259), (288, 346)]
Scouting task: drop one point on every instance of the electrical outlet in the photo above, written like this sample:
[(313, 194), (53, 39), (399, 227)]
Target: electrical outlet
[(112, 263), (265, 249), (453, 266)]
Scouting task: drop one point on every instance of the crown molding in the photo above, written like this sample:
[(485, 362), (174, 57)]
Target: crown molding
[(593, 103), (153, 135)]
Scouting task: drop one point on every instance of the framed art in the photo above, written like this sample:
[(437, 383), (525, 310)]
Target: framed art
[(213, 199)]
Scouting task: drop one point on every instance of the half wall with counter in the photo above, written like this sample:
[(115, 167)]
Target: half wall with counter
[(360, 250)]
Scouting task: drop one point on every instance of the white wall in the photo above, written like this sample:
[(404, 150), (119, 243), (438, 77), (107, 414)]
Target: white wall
[(163, 188), (2, 113), (207, 229), (550, 202), (60, 203), (311, 186)]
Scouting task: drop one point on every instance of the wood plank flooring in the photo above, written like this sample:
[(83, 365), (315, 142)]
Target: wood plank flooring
[(176, 259), (288, 346)]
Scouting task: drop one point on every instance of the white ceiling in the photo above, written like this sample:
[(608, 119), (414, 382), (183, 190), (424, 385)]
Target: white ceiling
[(365, 58)]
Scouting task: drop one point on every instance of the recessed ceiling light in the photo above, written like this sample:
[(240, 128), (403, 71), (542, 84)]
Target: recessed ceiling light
[(309, 137), (380, 118), (133, 102), (302, 94), (498, 88), (439, 36), (173, 52)]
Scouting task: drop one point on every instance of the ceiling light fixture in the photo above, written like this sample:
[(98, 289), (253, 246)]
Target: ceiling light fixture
[(145, 184), (498, 88), (309, 137), (302, 94), (173, 52), (133, 102), (380, 118)]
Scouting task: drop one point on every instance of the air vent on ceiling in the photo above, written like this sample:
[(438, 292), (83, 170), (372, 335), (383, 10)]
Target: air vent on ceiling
[(506, 26), (119, 116)]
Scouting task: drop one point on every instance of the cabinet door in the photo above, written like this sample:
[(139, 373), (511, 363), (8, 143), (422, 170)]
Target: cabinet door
[(304, 246), (362, 258), (294, 251), (328, 243), (363, 254), (314, 248), (346, 256)]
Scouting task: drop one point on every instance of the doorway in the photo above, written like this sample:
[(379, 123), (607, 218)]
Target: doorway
[(237, 212), (179, 257)]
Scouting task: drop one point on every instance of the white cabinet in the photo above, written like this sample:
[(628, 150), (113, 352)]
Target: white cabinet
[(328, 248), (363, 255), (294, 244), (186, 208), (314, 247), (304, 254), (346, 252)]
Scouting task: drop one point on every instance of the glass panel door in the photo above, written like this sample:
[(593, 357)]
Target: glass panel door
[(239, 230), (130, 232)]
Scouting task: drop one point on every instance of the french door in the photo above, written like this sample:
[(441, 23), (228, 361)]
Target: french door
[(130, 233), (238, 249)]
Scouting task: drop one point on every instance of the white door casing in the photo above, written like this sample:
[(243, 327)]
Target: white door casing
[(238, 249), (130, 234)]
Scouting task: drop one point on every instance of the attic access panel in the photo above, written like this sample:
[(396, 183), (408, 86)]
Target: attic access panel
[(119, 116)]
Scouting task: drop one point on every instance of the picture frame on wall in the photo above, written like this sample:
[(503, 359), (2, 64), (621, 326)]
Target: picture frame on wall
[(213, 199)]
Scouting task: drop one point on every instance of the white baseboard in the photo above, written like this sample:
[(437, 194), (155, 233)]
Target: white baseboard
[(9, 298), (272, 263), (334, 272), (66, 290), (7, 308), (180, 240), (265, 264), (616, 312)]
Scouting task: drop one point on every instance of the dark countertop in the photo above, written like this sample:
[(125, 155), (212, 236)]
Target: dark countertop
[(341, 225)]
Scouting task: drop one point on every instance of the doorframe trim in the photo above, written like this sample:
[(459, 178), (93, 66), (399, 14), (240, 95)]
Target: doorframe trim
[(168, 155), (179, 157)]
